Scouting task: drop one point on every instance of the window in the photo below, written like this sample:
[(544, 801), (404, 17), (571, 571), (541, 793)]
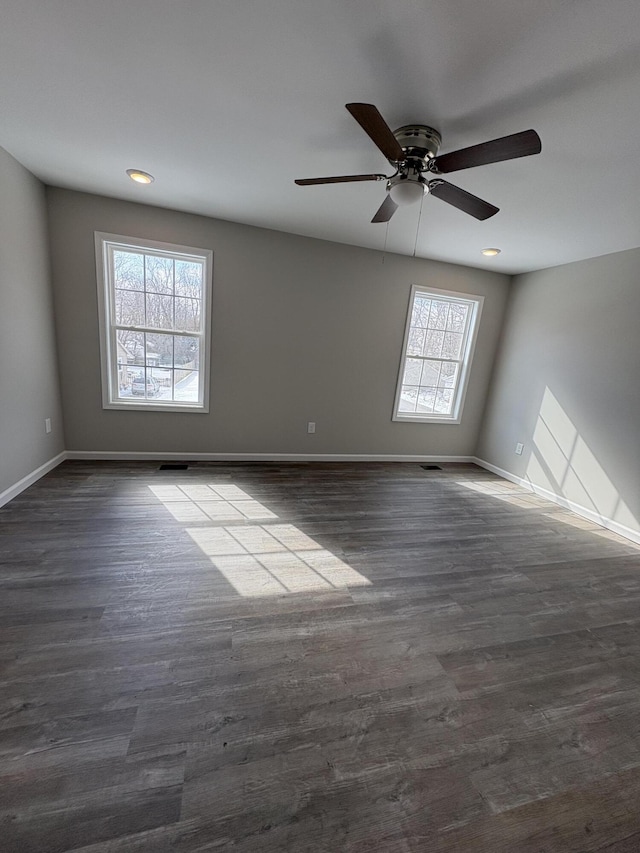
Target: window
[(154, 304), (436, 356)]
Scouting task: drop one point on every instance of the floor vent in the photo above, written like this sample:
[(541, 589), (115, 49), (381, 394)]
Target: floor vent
[(431, 467), (174, 466)]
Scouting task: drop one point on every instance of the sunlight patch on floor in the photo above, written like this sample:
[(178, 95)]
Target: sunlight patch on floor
[(256, 559), (505, 491), (222, 503), (516, 495), (578, 521)]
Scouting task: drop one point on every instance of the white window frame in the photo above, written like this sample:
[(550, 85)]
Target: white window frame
[(468, 347), (105, 244)]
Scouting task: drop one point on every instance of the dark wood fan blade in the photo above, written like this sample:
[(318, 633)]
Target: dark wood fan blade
[(521, 144), (386, 210), (378, 130), (338, 179), (462, 200)]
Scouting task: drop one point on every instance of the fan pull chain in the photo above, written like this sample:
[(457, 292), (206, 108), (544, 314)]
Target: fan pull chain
[(386, 234), (415, 247)]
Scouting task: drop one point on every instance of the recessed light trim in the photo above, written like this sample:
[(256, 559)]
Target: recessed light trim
[(490, 253), (140, 177)]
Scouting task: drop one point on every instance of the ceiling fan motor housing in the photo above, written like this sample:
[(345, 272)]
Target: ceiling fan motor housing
[(419, 142)]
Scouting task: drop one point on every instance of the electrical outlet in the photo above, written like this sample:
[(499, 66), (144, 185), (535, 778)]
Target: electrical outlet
[(519, 448), (311, 427), (47, 425)]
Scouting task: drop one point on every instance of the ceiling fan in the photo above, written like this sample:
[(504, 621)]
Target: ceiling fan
[(413, 151)]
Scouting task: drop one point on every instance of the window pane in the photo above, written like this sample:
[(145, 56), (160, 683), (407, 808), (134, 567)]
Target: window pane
[(416, 342), (433, 343), (159, 383), (457, 317), (408, 398), (129, 308), (146, 385), (159, 274), (430, 372), (187, 353), (412, 371), (426, 399), (420, 313), (189, 279), (444, 400), (451, 345), (448, 375), (131, 346), (127, 344), (137, 388), (187, 314), (128, 270), (438, 315), (159, 311), (186, 385), (159, 350)]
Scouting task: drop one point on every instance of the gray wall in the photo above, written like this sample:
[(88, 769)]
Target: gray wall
[(566, 385), (303, 330), (29, 389)]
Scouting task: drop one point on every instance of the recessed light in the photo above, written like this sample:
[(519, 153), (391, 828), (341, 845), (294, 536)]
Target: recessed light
[(489, 253), (140, 177)]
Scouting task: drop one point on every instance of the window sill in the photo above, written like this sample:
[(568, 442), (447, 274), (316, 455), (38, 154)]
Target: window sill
[(426, 419), (195, 408)]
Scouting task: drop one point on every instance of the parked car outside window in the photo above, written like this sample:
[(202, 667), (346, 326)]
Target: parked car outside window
[(138, 387)]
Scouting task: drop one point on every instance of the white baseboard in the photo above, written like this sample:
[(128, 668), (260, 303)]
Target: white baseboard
[(116, 455), (141, 456), (12, 492), (585, 512)]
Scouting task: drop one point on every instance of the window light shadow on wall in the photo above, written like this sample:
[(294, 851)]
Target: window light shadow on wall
[(256, 559), (561, 462)]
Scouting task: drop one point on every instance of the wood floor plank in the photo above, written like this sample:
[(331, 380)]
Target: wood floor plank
[(313, 657)]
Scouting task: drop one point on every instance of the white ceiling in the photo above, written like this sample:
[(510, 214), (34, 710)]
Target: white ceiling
[(227, 101)]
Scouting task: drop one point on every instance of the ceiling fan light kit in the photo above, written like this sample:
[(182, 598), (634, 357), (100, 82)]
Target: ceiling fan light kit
[(413, 151), (405, 190)]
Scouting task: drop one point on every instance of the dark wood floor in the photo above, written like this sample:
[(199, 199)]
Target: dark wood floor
[(305, 658)]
